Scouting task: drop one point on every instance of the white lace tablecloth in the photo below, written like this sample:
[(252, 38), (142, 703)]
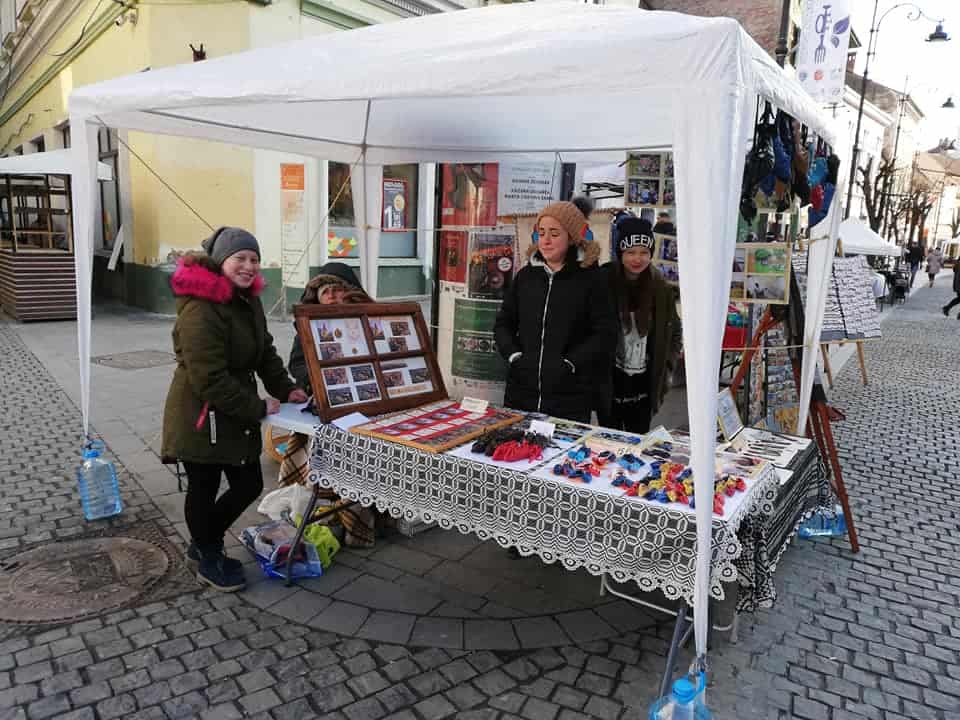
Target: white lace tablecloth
[(630, 540)]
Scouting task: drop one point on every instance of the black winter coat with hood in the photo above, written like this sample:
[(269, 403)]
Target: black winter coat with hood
[(563, 326)]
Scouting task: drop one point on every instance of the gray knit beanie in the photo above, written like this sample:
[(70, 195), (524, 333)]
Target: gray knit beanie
[(227, 241)]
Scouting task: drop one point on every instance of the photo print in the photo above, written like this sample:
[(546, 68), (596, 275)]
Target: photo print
[(393, 379), (335, 376), (768, 259), (394, 334), (666, 247), (346, 332), (362, 373), (368, 391), (643, 192), (768, 288), (330, 351), (738, 287), (670, 272), (408, 377), (340, 396), (644, 164)]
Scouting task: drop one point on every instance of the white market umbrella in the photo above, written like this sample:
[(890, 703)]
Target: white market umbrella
[(52, 162)]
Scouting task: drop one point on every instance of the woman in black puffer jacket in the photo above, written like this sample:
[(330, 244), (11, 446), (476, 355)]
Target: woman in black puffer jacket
[(556, 328)]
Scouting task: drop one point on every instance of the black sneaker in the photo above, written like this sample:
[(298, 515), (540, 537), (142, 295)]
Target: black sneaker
[(193, 553), (212, 571), (946, 313)]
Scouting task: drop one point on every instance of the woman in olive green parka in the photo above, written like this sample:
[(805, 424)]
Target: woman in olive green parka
[(211, 421)]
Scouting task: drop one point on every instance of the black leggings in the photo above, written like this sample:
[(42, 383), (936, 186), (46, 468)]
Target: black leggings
[(631, 409), (208, 517), (955, 301)]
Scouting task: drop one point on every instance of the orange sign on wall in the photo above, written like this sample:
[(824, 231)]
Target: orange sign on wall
[(291, 176)]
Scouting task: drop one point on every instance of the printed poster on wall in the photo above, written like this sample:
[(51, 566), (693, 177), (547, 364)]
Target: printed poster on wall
[(453, 256), (469, 196), (492, 263), (526, 187), (475, 353), (293, 226), (394, 205)]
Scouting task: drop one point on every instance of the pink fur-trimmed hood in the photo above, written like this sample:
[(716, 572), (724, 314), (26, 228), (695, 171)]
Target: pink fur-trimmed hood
[(194, 278)]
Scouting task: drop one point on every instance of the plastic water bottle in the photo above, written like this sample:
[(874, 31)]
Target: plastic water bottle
[(97, 479), (823, 525), (685, 702)]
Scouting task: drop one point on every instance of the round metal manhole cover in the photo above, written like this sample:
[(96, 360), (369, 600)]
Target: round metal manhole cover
[(72, 580)]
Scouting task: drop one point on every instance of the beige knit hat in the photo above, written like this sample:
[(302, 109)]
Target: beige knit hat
[(571, 215)]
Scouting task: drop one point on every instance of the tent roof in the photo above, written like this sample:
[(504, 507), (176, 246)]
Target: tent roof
[(52, 162), (859, 239), (467, 85)]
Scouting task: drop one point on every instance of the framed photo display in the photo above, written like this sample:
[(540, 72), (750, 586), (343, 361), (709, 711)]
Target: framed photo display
[(373, 358), (649, 180)]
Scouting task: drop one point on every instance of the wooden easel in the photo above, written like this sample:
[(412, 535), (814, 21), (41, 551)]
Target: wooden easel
[(825, 353), (818, 424)]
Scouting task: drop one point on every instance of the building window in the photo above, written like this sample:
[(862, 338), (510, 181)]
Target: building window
[(39, 144), (400, 267), (65, 135), (398, 238), (18, 150), (110, 219)]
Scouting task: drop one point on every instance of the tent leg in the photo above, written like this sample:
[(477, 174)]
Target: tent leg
[(863, 361), (825, 352), (678, 630)]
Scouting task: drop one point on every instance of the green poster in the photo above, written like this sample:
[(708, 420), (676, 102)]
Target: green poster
[(475, 355)]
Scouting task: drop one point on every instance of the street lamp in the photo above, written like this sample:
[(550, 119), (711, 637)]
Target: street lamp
[(937, 35)]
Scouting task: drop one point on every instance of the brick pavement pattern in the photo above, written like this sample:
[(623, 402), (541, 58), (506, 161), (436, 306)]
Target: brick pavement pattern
[(873, 636)]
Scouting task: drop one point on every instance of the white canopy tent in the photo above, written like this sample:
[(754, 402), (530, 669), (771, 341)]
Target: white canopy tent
[(52, 162), (859, 239), (489, 85)]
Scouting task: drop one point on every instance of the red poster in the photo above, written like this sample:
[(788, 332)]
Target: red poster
[(469, 195), (453, 256)]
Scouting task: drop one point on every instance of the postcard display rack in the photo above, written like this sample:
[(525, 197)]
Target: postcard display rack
[(851, 313)]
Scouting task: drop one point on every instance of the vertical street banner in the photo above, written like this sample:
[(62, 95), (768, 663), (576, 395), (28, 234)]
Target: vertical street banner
[(822, 55), (293, 226)]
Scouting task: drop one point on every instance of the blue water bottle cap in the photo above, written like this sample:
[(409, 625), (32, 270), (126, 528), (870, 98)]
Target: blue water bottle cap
[(91, 453), (684, 691)]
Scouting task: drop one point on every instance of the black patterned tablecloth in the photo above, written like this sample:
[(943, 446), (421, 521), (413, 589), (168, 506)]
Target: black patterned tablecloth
[(631, 540)]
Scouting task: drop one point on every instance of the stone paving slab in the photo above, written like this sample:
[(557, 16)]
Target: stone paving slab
[(874, 636)]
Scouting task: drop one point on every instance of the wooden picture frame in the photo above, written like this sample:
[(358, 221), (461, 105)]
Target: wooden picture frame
[(366, 352)]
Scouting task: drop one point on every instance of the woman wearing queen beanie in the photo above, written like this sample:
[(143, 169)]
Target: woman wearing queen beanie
[(650, 333), (556, 327)]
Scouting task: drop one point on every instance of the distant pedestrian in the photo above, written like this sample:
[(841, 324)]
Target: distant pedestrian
[(934, 264), (914, 258), (211, 421), (956, 289)]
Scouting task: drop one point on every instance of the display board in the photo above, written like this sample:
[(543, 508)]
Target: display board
[(437, 427), (649, 180), (369, 358), (851, 311), (761, 273)]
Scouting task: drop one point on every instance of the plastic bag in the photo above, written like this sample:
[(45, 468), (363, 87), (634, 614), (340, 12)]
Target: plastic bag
[(272, 542), (286, 501)]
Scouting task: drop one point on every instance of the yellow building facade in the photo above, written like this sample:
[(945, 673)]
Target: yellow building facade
[(168, 191)]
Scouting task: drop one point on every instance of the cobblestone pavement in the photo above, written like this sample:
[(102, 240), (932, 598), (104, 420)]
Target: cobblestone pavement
[(872, 636)]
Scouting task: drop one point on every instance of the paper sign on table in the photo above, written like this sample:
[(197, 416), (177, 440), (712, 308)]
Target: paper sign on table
[(474, 405), (542, 427)]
